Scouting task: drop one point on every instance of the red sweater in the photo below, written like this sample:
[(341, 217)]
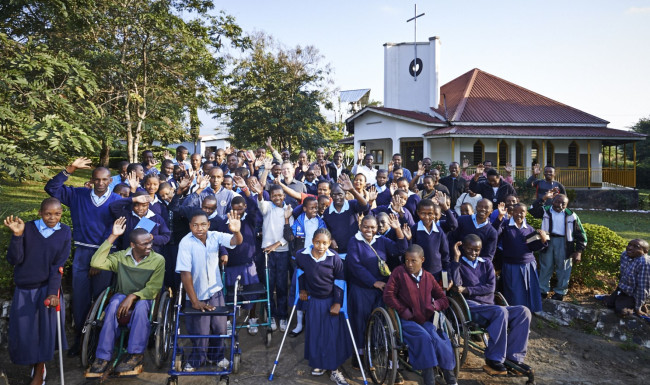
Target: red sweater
[(414, 301)]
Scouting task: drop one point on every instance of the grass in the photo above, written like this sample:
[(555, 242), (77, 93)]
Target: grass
[(627, 225)]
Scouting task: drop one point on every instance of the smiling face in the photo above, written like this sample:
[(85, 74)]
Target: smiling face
[(287, 172), (324, 188), (168, 168), (519, 214), (276, 171), (359, 182), (472, 249), (338, 197), (435, 174), (483, 210), (429, 215), (382, 178), (368, 228), (368, 160), (277, 197), (142, 245), (398, 174), (321, 243), (453, 169), (560, 202), (320, 154), (311, 209), (397, 160), (493, 180), (151, 186), (310, 176), (338, 158), (403, 185), (140, 209), (302, 158), (323, 204), (221, 156), (239, 208), (51, 214), (166, 194), (428, 183), (147, 157), (413, 262), (549, 174)]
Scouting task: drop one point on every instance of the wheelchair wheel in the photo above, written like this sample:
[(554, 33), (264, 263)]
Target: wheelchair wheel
[(454, 336), (456, 317), (381, 347), (164, 329), (92, 328)]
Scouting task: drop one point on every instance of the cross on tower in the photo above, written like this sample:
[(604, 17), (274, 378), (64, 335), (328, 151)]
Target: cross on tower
[(415, 41)]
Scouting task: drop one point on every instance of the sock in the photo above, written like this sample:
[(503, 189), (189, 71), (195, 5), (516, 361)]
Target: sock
[(299, 316)]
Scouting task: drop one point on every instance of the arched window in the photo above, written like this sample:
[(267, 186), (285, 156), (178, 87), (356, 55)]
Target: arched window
[(503, 154), (550, 154), (479, 152), (574, 155), (534, 152)]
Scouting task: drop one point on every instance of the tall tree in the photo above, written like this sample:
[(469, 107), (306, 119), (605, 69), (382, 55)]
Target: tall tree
[(278, 92), (642, 148)]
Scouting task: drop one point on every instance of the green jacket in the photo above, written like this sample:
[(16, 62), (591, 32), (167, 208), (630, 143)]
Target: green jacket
[(144, 280)]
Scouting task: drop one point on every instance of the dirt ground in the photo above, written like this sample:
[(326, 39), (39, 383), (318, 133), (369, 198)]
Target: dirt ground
[(559, 355)]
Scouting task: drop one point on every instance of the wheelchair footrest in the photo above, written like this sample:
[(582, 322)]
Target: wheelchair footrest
[(219, 310), (493, 372), (137, 370)]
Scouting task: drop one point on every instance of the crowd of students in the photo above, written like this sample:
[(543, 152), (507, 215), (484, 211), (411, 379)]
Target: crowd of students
[(387, 236)]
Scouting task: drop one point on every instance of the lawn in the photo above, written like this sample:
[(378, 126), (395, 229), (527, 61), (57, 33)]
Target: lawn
[(627, 225)]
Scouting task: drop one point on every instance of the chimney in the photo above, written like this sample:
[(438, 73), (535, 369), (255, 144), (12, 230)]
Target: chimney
[(434, 84)]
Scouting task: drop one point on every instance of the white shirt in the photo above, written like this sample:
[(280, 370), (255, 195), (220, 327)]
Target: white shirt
[(369, 173), (311, 225), (422, 227), (273, 225)]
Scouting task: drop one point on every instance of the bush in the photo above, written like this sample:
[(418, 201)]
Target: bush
[(643, 175)]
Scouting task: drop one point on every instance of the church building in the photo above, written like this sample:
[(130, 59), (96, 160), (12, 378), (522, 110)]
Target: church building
[(479, 116)]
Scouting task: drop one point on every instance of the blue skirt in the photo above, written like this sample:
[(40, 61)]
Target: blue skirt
[(361, 302), (32, 327), (327, 339), (521, 285)]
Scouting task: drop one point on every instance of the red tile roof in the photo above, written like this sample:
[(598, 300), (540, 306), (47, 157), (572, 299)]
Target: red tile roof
[(535, 131), (478, 96)]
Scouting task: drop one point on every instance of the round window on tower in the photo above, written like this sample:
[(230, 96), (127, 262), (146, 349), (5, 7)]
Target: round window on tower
[(415, 67)]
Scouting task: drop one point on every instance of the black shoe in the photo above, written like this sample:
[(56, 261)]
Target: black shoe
[(496, 365), (399, 380), (557, 297), (74, 350), (294, 334), (544, 296), (355, 363), (98, 368), (525, 368), (130, 363)]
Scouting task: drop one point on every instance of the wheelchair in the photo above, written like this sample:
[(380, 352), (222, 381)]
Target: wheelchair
[(161, 336), (470, 335), (384, 345)]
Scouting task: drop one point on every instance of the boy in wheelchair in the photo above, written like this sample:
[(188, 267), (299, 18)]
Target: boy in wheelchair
[(414, 293), (507, 326), (140, 272)]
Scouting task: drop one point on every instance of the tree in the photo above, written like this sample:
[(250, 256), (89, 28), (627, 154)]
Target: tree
[(44, 104), (278, 92), (642, 148)]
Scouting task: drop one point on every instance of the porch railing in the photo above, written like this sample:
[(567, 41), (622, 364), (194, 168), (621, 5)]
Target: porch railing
[(573, 177)]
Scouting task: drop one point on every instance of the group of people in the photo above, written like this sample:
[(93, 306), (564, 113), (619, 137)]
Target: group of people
[(378, 236)]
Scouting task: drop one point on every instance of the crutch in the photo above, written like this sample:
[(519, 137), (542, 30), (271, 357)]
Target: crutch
[(344, 309), (299, 272), (58, 327)]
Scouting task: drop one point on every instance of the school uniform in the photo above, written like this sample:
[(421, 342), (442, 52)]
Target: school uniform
[(435, 246), (327, 341), (91, 222), (312, 187), (405, 217), (344, 224), (416, 299), (384, 197), (223, 195), (361, 272), (36, 256), (160, 208), (160, 231), (467, 224), (369, 173), (144, 279), (412, 204), (334, 171)]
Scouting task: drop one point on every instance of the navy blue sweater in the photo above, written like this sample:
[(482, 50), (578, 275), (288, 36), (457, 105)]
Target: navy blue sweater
[(244, 253), (487, 234), (160, 232), (515, 248), (361, 264), (407, 218), (480, 282), (343, 226), (319, 277), (436, 249), (37, 259)]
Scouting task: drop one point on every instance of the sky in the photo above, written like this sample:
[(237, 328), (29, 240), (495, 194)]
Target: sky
[(589, 54)]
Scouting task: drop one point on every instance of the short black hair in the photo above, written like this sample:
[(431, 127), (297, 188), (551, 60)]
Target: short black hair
[(492, 172), (132, 167), (136, 233), (275, 187), (51, 201), (199, 213), (238, 200), (416, 249), (426, 203)]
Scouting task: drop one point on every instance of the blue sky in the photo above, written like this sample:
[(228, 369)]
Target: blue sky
[(591, 55)]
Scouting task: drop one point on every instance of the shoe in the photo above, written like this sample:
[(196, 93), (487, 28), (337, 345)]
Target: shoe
[(130, 363), (449, 376), (228, 327), (557, 297), (496, 365), (252, 326), (544, 296), (399, 379), (224, 363), (337, 378), (44, 373), (524, 367), (355, 363), (188, 367), (98, 368), (274, 326), (317, 372), (296, 331), (74, 350), (283, 325)]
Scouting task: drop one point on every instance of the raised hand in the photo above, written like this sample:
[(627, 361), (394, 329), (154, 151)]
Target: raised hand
[(465, 163), (393, 188), (255, 185), (372, 194), (234, 223), (304, 167), (536, 169), (142, 199), (502, 209), (203, 182), (406, 229), (268, 164), (119, 226), (456, 250), (82, 163), (259, 162), (479, 169), (317, 171), (345, 182), (15, 224), (390, 166), (167, 155), (184, 183), (362, 153), (228, 150), (508, 168), (420, 168), (393, 221), (329, 153), (250, 155), (288, 211), (549, 194), (269, 142), (239, 181)]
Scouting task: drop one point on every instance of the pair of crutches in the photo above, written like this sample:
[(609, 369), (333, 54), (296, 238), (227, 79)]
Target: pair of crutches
[(344, 310), (58, 328)]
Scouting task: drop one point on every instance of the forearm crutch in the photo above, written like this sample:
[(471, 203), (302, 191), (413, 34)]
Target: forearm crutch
[(299, 272), (58, 328), (344, 309)]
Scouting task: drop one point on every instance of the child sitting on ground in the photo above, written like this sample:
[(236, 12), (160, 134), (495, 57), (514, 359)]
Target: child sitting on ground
[(37, 250), (414, 293), (634, 283)]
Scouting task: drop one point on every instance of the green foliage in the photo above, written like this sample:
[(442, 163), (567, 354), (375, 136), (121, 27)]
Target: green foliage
[(525, 193), (643, 175), (441, 166), (642, 148)]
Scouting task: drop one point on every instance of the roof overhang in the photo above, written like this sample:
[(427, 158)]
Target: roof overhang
[(368, 109)]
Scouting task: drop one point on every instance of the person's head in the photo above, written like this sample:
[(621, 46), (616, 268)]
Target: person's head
[(195, 161), (359, 182), (472, 245), (167, 167), (122, 166), (324, 188), (323, 203), (487, 164), (321, 241), (368, 160), (471, 193), (181, 153), (303, 158), (227, 182), (413, 259), (338, 196), (427, 181), (166, 192), (241, 158), (397, 160), (285, 155), (398, 173), (242, 172), (403, 184), (549, 173), (50, 211), (454, 169), (429, 212), (400, 197), (310, 207), (466, 209), (287, 172), (151, 183), (310, 175), (426, 162), (122, 190), (320, 153), (338, 158), (178, 172), (511, 201), (147, 157), (137, 168), (206, 167), (199, 225), (260, 152), (435, 174), (382, 177), (493, 177), (221, 156), (232, 162), (383, 222), (140, 208), (216, 178), (238, 205), (636, 248), (101, 179), (483, 210), (277, 195), (276, 171), (212, 157), (368, 227), (560, 202), (141, 242), (519, 211), (209, 204)]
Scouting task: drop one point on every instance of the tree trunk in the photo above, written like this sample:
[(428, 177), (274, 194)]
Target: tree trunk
[(105, 153)]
